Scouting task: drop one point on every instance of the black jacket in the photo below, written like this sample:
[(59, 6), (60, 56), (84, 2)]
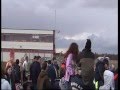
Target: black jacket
[(16, 70), (51, 72), (86, 52), (35, 70)]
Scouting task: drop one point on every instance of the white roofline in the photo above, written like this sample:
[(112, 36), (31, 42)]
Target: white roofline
[(27, 31)]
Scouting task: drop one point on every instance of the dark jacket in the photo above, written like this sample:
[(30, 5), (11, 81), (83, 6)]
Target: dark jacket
[(35, 70), (16, 70), (43, 81), (51, 72), (87, 70), (57, 70), (56, 66), (87, 64), (77, 83), (86, 52)]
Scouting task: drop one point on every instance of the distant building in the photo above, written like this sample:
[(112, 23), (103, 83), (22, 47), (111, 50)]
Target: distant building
[(30, 42)]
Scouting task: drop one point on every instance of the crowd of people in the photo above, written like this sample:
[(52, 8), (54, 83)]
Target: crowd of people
[(78, 71)]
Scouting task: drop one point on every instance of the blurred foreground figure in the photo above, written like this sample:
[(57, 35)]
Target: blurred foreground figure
[(4, 83)]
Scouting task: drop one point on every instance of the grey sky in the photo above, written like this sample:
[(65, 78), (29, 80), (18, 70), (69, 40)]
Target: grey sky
[(76, 20)]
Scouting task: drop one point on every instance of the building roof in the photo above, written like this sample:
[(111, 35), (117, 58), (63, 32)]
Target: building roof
[(27, 31)]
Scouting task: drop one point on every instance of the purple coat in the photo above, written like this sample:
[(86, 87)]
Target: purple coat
[(69, 67)]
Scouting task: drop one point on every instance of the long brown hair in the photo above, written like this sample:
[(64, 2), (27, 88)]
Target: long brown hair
[(72, 49)]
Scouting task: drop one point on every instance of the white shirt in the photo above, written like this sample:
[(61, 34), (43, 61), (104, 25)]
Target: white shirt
[(108, 81), (5, 85), (25, 65)]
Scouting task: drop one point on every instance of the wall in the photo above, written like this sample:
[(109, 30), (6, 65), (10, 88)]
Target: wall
[(27, 45), (18, 55)]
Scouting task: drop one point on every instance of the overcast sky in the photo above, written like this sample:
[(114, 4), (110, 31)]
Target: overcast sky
[(76, 20)]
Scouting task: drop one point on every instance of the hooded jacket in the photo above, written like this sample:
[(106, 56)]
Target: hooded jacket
[(43, 82), (86, 52), (87, 63), (5, 85), (108, 81)]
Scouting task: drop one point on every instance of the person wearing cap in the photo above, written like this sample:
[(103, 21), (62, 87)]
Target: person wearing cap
[(87, 59)]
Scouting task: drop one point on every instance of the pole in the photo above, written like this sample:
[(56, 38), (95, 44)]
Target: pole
[(54, 43), (55, 19)]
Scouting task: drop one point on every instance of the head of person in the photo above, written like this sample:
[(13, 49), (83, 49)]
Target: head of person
[(72, 49), (9, 70), (112, 67), (106, 63), (44, 65), (49, 62), (77, 70), (88, 44), (35, 57), (38, 58), (26, 58), (17, 61)]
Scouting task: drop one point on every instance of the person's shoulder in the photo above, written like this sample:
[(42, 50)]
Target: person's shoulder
[(4, 81), (108, 71), (70, 55), (5, 84)]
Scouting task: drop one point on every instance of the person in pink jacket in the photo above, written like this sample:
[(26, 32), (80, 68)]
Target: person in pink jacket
[(71, 56)]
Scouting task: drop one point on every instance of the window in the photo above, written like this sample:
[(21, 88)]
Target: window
[(27, 37)]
